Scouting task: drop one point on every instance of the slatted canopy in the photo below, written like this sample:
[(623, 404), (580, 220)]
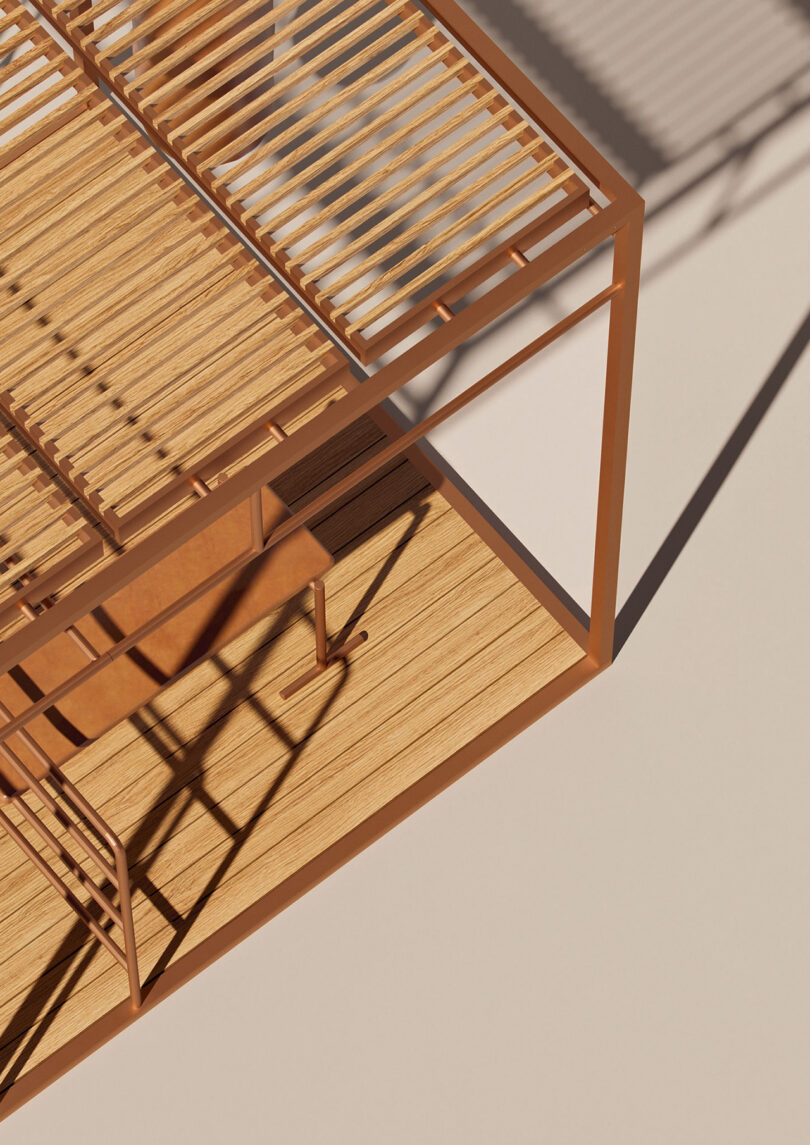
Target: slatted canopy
[(157, 381), (148, 353), (144, 350), (366, 154), (142, 346), (40, 528)]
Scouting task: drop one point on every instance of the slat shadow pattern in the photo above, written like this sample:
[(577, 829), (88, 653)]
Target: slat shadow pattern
[(361, 150), (142, 345)]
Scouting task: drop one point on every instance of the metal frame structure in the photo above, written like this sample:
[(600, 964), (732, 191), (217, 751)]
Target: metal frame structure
[(619, 221), (611, 212), (163, 101)]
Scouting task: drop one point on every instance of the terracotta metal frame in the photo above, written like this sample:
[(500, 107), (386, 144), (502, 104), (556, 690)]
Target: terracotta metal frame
[(67, 806), (620, 223)]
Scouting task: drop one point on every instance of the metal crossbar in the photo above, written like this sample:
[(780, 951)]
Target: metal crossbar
[(369, 155)]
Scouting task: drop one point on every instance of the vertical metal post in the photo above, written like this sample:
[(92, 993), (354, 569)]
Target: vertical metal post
[(128, 925), (319, 592), (615, 424), (256, 521)]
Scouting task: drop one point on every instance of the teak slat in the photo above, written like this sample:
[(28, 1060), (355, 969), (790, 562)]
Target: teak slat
[(104, 265), (253, 101), (293, 806)]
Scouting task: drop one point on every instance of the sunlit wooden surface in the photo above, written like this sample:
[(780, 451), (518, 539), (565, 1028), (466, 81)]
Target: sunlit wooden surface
[(363, 151), (220, 790)]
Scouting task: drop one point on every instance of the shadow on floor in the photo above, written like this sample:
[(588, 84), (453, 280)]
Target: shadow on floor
[(606, 117), (695, 510), (185, 786), (615, 112)]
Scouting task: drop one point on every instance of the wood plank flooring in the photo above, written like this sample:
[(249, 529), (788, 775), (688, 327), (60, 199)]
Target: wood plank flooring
[(221, 791)]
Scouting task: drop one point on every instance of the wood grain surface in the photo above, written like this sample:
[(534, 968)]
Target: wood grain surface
[(221, 791)]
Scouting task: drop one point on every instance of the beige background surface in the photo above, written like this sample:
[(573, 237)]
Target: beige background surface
[(602, 934)]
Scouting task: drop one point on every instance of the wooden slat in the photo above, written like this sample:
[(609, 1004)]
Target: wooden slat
[(123, 305), (294, 103), (70, 156), (359, 191), (409, 234), (276, 109), (314, 91), (444, 665), (37, 523), (218, 53), (461, 251), (53, 90), (240, 130), (345, 147)]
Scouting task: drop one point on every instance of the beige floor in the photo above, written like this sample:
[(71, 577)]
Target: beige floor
[(600, 935)]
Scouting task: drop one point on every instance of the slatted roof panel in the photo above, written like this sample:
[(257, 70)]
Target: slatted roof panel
[(40, 86), (143, 347), (358, 147)]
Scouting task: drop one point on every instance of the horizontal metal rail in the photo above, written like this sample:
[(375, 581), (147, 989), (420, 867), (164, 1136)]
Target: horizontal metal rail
[(29, 780), (318, 505), (325, 425), (409, 438), (125, 645)]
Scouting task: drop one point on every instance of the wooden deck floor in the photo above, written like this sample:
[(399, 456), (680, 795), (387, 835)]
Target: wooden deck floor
[(221, 791)]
